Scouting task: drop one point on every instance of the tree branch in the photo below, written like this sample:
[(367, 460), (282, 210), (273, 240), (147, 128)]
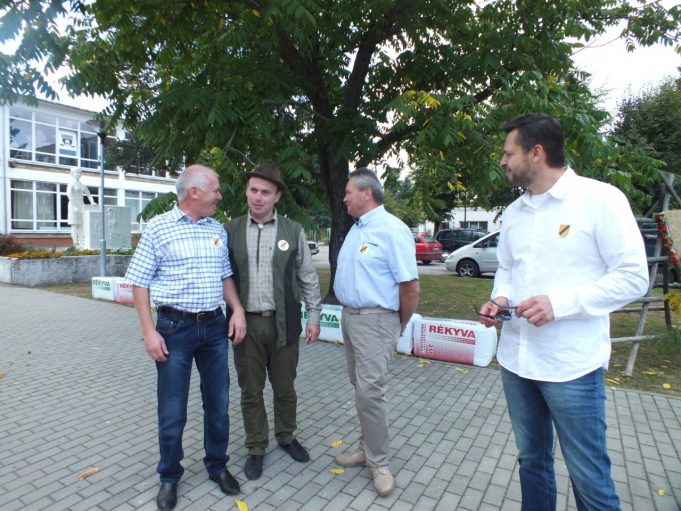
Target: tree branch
[(309, 72), (378, 33), (396, 136)]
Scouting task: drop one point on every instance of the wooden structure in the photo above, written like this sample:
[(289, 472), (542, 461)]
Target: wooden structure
[(649, 302)]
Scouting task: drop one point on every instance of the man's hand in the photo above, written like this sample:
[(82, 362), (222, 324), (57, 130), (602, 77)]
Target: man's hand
[(311, 333), (156, 346), (536, 310), (236, 329), (492, 308)]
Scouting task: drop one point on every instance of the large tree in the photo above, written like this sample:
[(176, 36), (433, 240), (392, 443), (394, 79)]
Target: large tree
[(320, 85), (651, 120)]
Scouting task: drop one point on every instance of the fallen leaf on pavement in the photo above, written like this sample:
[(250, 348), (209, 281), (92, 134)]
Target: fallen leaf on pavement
[(336, 443), (666, 386), (241, 505), (660, 492), (423, 363), (336, 470), (87, 473), (2, 375), (614, 381)]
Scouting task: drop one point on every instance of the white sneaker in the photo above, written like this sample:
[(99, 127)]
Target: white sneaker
[(357, 458), (383, 480)]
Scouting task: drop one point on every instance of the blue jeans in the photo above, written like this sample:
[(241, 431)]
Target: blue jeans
[(577, 409), (206, 343)]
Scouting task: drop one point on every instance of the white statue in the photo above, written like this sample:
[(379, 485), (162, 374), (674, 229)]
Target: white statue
[(76, 192)]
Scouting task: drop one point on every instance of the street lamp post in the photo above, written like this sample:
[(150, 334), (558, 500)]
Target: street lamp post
[(101, 135)]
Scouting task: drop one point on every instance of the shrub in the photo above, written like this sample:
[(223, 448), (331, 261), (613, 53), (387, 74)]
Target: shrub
[(34, 254), (75, 251), (9, 244)]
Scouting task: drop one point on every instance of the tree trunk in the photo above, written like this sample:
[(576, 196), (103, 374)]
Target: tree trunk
[(335, 178)]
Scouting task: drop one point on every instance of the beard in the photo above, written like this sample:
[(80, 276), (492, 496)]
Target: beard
[(520, 175)]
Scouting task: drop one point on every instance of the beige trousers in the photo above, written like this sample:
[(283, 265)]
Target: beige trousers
[(368, 340)]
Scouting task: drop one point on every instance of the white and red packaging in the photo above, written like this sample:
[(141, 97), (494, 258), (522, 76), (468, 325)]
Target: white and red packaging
[(124, 292), (405, 344), (104, 288), (450, 340)]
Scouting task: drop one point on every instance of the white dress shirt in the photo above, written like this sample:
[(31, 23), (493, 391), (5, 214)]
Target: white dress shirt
[(579, 244)]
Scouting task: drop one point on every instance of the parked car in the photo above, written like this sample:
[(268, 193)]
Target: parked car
[(476, 258), (427, 249), (452, 239), (314, 248)]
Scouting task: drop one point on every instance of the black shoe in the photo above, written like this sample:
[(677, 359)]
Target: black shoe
[(167, 496), (253, 466), (228, 485), (297, 451)]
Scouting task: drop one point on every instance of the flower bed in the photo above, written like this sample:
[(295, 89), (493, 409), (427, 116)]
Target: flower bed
[(59, 270)]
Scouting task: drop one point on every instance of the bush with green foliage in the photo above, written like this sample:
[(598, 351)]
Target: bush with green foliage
[(9, 244)]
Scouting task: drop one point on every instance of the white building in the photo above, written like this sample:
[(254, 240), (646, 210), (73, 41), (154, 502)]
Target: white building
[(465, 218), (473, 218), (38, 147)]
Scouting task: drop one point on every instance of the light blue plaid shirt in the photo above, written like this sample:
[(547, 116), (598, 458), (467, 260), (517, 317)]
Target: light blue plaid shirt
[(182, 262)]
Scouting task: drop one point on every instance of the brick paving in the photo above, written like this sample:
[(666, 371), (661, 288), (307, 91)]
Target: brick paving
[(78, 391)]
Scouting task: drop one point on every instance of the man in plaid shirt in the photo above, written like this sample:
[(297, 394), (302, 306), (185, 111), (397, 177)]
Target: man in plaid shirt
[(182, 262)]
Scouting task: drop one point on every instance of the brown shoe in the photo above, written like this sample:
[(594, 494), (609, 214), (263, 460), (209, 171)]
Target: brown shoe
[(357, 458), (383, 480)]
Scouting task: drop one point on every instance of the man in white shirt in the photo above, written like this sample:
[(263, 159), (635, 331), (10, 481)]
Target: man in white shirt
[(570, 252)]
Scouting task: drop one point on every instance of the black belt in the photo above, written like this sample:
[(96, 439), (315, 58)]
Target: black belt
[(196, 316), (266, 314)]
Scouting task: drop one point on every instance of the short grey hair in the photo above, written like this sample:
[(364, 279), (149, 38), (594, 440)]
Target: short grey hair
[(194, 175), (366, 178)]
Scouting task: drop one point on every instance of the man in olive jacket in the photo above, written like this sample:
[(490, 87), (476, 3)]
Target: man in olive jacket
[(272, 268)]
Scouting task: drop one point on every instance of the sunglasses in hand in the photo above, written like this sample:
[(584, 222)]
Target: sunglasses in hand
[(503, 314)]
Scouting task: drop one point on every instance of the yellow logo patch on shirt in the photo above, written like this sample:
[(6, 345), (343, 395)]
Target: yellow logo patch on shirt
[(217, 241), (363, 248), (283, 245), (564, 230)]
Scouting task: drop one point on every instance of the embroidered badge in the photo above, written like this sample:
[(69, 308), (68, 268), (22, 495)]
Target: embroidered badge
[(363, 248), (217, 241), (283, 245), (564, 230)]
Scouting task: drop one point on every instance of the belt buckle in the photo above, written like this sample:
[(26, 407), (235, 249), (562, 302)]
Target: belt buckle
[(200, 316)]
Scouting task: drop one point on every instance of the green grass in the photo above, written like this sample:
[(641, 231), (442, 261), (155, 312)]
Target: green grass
[(449, 296)]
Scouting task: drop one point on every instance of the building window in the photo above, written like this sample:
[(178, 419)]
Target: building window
[(38, 206), (20, 139), (36, 136), (45, 149), (88, 150), (137, 201), (475, 224)]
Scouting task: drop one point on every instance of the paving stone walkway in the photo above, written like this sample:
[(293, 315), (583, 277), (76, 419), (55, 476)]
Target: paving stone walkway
[(77, 390)]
